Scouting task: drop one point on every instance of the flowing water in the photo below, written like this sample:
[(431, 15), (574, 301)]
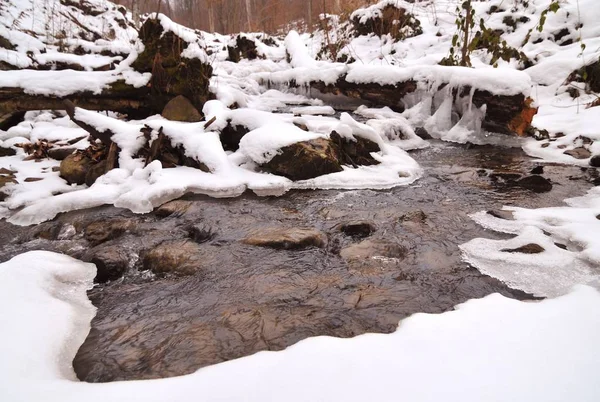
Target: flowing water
[(242, 299)]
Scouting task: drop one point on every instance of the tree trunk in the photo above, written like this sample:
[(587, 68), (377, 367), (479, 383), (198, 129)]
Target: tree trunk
[(309, 19), (135, 11), (249, 15)]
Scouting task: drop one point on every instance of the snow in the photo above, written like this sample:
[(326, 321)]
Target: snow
[(490, 349)]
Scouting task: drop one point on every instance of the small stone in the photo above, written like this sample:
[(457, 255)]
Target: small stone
[(181, 109), (358, 229), (578, 153), (373, 248), (286, 239), (111, 262), (595, 161), (535, 183), (506, 215), (530, 248)]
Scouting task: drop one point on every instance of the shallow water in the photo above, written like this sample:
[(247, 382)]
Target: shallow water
[(244, 299)]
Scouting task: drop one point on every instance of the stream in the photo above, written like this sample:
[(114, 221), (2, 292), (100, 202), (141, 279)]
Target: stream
[(239, 299)]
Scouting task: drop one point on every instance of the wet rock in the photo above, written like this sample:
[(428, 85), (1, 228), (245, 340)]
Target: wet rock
[(105, 230), (530, 248), (305, 160), (181, 109), (537, 170), (373, 248), (423, 133), (7, 151), (94, 172), (578, 153), (176, 208), (595, 161), (286, 239), (535, 183), (355, 153), (74, 168), (60, 153), (178, 257), (201, 233), (358, 229), (506, 215), (111, 262)]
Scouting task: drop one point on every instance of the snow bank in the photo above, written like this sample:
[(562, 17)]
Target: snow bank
[(492, 349)]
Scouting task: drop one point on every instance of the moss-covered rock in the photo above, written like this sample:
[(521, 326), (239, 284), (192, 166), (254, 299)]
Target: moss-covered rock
[(306, 160), (74, 168)]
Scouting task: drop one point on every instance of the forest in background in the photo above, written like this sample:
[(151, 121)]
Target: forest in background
[(232, 16)]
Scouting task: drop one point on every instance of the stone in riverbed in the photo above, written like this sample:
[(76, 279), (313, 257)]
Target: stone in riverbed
[(355, 153), (105, 230), (358, 229), (178, 257), (286, 239), (111, 262), (535, 183), (373, 248), (175, 208)]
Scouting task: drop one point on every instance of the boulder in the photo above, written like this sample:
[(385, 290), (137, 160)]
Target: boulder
[(373, 248), (75, 167), (181, 109), (306, 160), (286, 239), (244, 48), (178, 257)]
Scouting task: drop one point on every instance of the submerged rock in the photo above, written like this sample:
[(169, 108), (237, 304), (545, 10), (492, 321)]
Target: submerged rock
[(178, 257), (286, 239), (104, 230), (176, 207), (306, 160), (181, 109), (358, 229), (535, 183), (373, 248)]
